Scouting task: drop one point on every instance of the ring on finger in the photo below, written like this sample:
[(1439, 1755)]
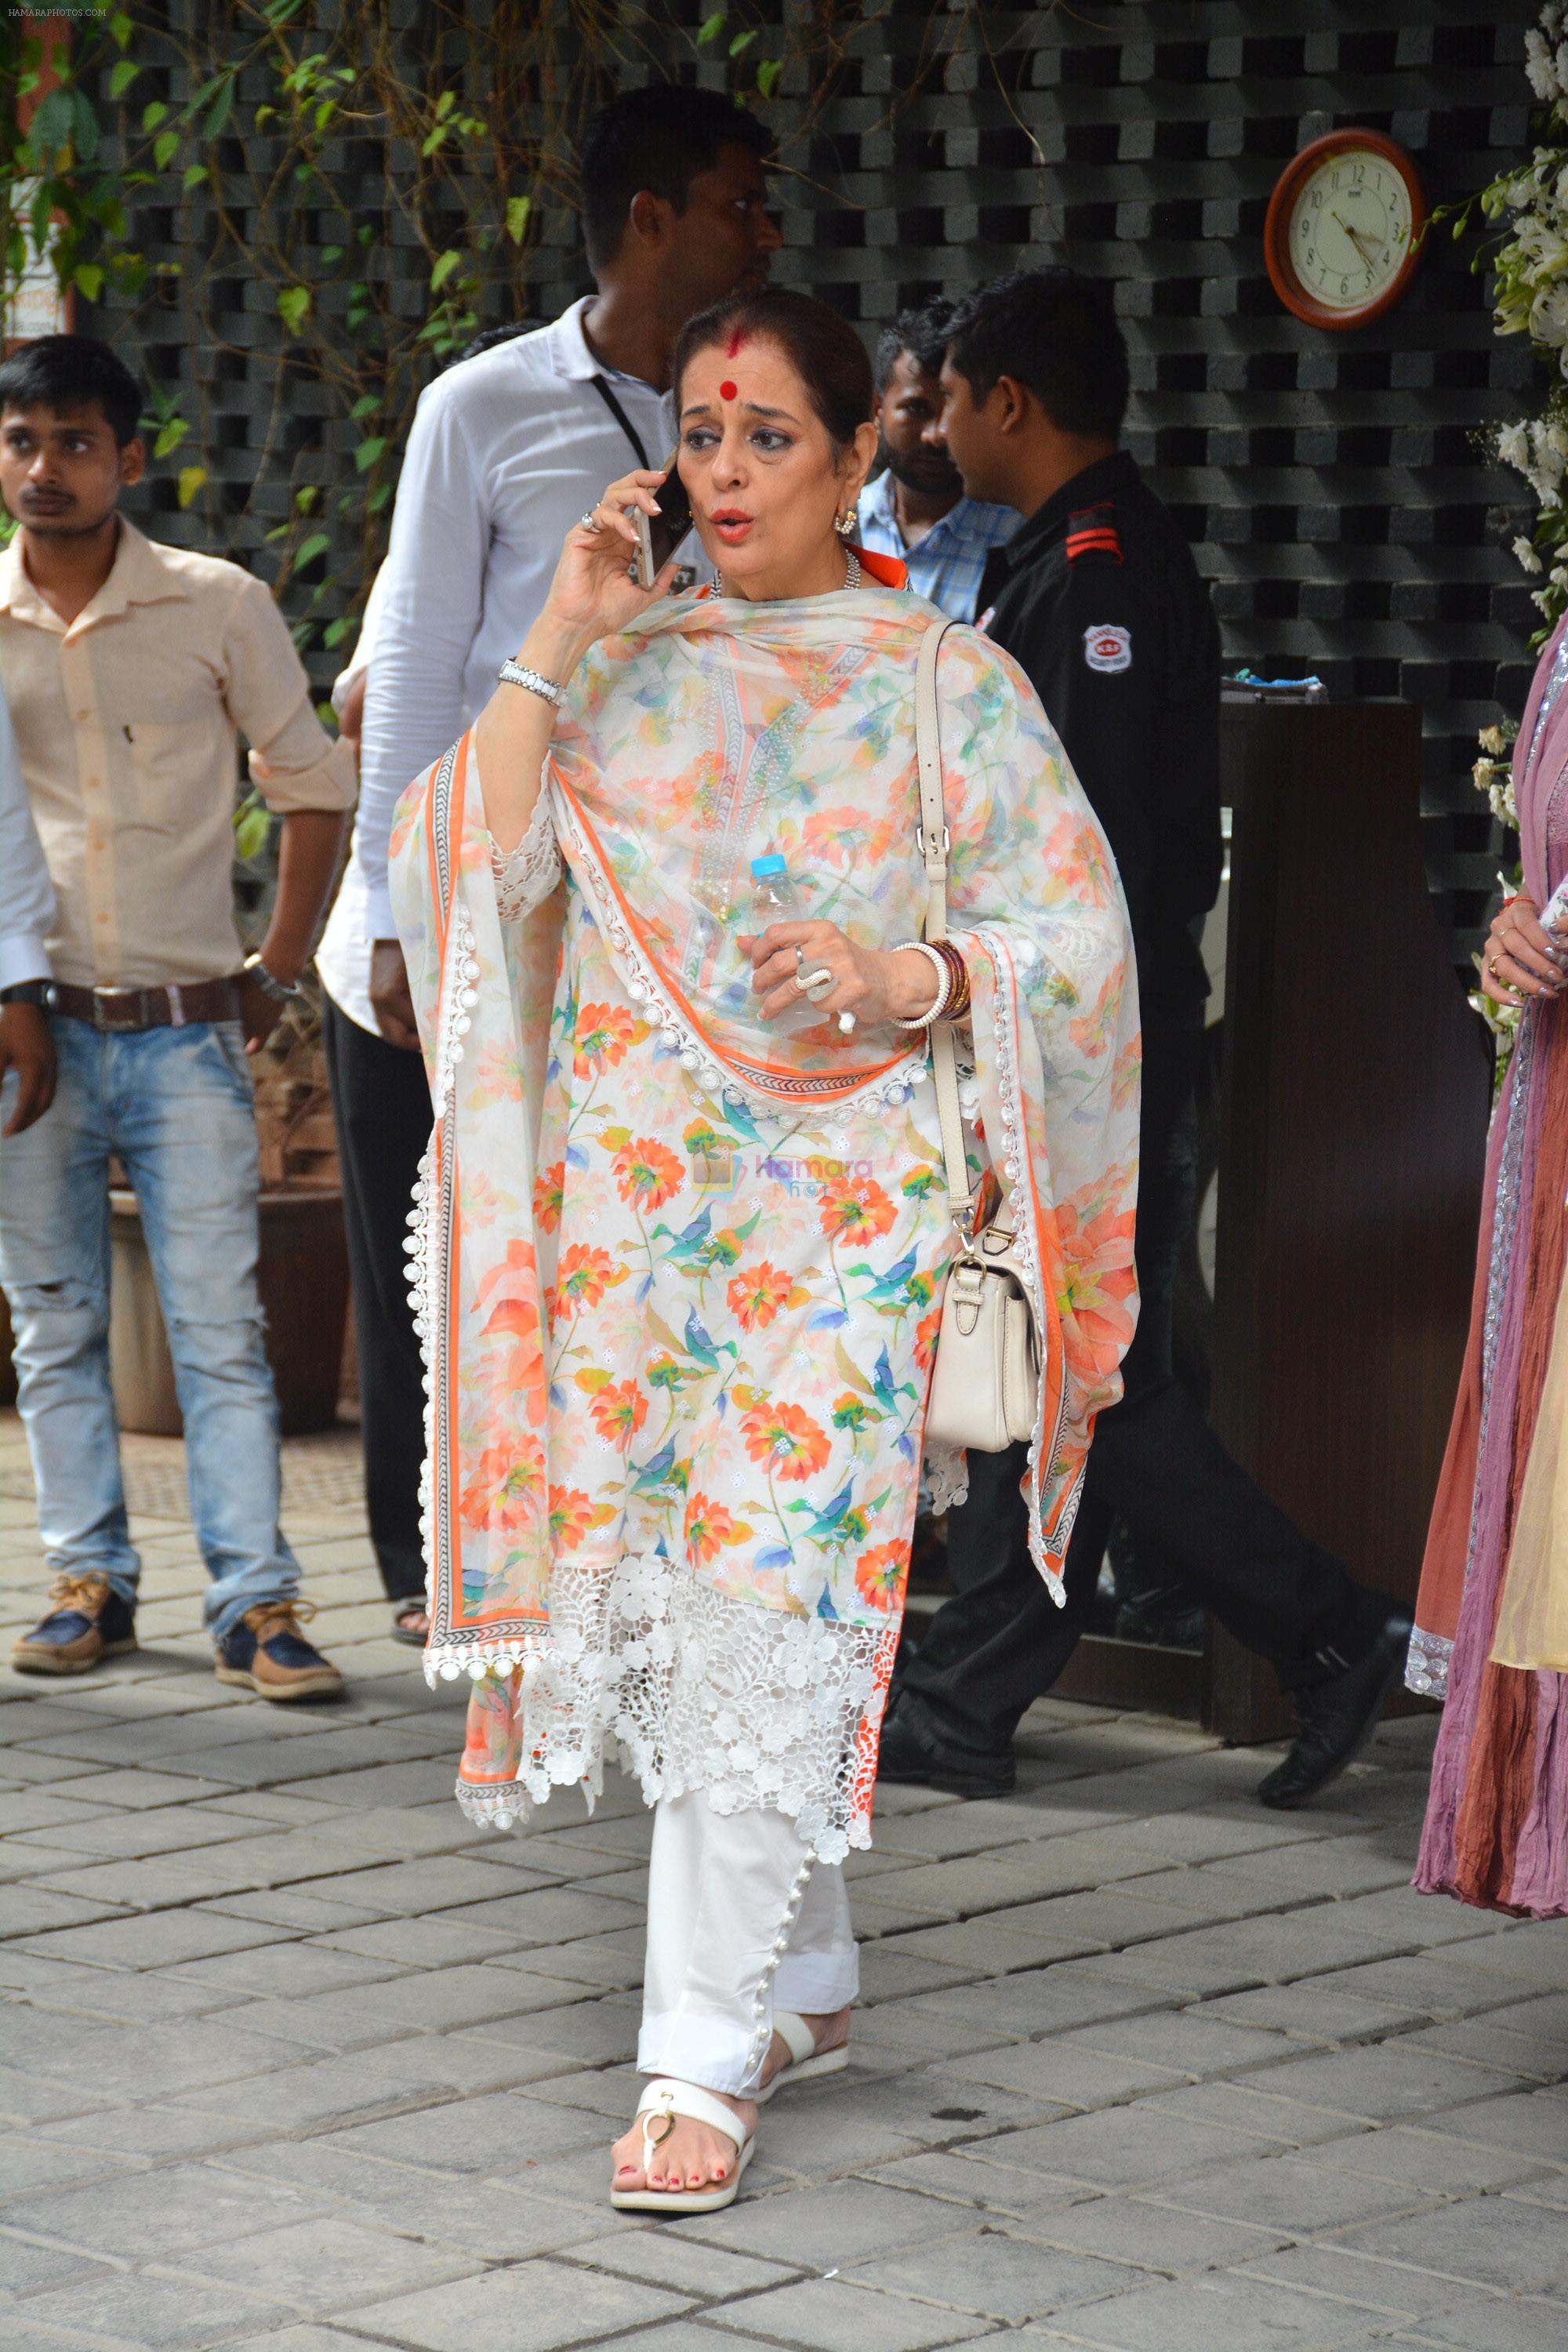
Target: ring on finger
[(591, 520)]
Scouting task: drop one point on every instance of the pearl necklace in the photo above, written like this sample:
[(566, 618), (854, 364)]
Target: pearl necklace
[(851, 577)]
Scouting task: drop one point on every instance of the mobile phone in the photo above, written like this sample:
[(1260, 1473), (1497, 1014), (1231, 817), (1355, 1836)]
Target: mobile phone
[(659, 535)]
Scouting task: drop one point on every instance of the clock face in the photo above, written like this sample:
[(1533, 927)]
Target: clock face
[(1350, 229)]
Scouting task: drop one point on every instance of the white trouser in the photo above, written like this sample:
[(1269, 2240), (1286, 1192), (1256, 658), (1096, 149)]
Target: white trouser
[(738, 1915)]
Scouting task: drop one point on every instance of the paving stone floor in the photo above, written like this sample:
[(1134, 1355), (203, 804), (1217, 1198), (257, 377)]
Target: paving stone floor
[(296, 2059)]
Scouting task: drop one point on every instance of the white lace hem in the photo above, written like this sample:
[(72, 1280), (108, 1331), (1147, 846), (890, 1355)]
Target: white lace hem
[(526, 876), (688, 1688)]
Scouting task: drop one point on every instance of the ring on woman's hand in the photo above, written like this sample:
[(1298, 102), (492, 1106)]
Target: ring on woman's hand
[(847, 1024), (1491, 967), (800, 959), (591, 521)]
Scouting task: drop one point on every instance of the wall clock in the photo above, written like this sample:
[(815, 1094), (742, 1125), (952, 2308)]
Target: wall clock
[(1341, 238)]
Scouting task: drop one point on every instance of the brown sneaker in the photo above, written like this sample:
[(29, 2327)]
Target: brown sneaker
[(88, 1624), (267, 1653)]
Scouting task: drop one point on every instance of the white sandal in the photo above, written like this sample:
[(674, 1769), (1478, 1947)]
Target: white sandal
[(662, 2101), (806, 2060)]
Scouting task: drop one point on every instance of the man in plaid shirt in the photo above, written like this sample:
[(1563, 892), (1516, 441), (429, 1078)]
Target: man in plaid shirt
[(916, 509)]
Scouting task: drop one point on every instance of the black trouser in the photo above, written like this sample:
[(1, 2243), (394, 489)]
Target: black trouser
[(1000, 1640), (381, 1104)]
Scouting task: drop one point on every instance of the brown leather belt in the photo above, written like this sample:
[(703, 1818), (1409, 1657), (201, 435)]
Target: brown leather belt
[(119, 1010)]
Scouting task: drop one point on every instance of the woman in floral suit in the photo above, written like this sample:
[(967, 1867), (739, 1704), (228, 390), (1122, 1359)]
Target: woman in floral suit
[(684, 1226)]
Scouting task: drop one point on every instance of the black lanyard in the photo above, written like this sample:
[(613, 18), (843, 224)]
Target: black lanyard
[(622, 419)]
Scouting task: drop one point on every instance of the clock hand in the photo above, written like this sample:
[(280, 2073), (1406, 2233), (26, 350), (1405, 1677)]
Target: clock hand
[(1355, 239)]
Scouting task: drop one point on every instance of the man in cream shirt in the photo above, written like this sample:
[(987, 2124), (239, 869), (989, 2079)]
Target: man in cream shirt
[(128, 669), (506, 451)]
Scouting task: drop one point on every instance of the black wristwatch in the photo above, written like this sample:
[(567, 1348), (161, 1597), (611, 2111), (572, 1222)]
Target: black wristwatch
[(40, 993)]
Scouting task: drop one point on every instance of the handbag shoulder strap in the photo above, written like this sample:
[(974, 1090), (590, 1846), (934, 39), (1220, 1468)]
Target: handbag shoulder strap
[(932, 841)]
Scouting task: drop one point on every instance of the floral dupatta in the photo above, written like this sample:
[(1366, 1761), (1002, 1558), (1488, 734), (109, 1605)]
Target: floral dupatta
[(715, 730)]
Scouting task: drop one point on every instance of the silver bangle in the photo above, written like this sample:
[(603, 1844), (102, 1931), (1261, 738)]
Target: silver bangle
[(943, 984), (512, 673)]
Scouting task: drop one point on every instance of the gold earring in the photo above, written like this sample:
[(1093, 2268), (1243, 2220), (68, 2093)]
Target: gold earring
[(845, 524)]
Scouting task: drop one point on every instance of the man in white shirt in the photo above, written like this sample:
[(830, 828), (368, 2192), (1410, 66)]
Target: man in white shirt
[(26, 917), (506, 451)]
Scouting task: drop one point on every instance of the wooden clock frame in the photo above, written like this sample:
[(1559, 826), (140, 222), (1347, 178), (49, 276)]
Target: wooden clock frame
[(1276, 229)]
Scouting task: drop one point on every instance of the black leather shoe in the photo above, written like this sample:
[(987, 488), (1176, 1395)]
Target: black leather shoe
[(911, 1755), (1337, 1719)]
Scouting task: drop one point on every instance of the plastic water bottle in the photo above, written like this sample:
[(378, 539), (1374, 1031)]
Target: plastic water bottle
[(774, 899)]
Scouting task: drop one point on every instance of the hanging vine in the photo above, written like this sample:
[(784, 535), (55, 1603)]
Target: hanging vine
[(394, 189)]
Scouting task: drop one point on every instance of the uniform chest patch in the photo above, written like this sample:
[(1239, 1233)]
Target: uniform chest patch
[(1109, 646)]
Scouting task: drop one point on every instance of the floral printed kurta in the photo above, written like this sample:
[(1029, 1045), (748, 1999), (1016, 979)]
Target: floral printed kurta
[(681, 1274)]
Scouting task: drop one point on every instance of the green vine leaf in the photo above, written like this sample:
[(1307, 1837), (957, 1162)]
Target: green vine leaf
[(87, 279), (165, 148), (368, 452), (293, 307), (448, 262), (125, 74), (317, 544), (518, 209), (710, 27), (768, 74), (152, 113), (170, 435), (195, 177), (741, 42), (191, 478)]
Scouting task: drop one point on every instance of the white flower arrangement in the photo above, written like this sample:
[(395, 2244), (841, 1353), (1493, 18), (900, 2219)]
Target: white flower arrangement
[(1531, 298)]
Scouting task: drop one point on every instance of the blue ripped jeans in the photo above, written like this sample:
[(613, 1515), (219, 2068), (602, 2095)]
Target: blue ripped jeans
[(176, 1106)]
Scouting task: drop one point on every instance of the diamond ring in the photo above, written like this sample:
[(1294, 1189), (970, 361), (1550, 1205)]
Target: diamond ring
[(591, 521)]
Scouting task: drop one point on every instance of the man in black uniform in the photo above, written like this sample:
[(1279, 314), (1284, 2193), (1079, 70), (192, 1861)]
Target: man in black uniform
[(1097, 597)]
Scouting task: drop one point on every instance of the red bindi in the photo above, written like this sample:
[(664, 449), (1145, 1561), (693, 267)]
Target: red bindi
[(727, 390)]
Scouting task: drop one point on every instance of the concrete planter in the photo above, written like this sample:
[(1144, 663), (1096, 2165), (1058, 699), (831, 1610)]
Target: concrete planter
[(304, 1285)]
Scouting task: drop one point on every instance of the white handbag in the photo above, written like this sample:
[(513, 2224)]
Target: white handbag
[(985, 1385)]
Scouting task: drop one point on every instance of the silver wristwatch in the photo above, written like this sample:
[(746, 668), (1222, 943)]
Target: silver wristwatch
[(269, 982), (512, 673)]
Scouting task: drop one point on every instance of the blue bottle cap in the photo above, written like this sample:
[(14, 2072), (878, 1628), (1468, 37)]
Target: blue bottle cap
[(772, 864)]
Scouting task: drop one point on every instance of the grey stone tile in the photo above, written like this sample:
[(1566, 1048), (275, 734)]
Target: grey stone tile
[(308, 2338), (119, 2062), (1485, 2041), (1185, 2042), (1153, 2237), (1517, 2324), (163, 1829), (163, 2314), (1429, 2159), (992, 2273), (531, 2308), (1497, 2242), (30, 2164), (1253, 2109), (1287, 2194), (1122, 2147), (1221, 2313), (29, 1910), (1334, 2269), (150, 2216), (417, 1943), (1065, 2076), (1380, 2085), (839, 2226), (1324, 2012), (488, 2218), (549, 1915), (289, 1971), (157, 1939), (26, 2268), (842, 2315), (681, 2263), (30, 2099), (328, 2264), (1432, 1985), (157, 2133), (502, 2131), (1533, 2123), (1049, 2000)]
